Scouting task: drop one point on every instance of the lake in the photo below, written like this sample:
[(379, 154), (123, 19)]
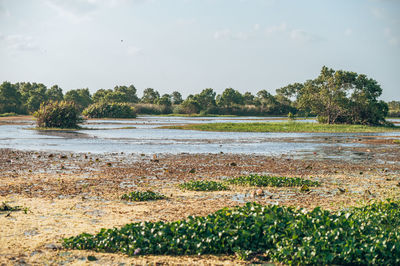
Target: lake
[(111, 136)]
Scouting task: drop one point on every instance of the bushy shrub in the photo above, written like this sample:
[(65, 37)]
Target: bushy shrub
[(56, 114), (109, 110), (152, 109)]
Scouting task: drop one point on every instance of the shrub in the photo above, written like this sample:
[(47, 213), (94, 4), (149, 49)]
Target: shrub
[(143, 196), (358, 236), (109, 110), (152, 109), (203, 186), (271, 181), (56, 114)]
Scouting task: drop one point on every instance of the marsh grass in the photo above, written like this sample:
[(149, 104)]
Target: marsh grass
[(285, 127)]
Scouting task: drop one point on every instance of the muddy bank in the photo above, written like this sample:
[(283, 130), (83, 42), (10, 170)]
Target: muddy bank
[(69, 193)]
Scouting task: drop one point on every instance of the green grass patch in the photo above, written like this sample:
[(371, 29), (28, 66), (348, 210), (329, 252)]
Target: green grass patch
[(271, 181), (203, 186), (143, 196), (356, 236), (284, 127), (8, 114)]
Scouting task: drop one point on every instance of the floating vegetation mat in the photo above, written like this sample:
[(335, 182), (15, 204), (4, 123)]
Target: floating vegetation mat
[(357, 236), (272, 181), (143, 196), (203, 186)]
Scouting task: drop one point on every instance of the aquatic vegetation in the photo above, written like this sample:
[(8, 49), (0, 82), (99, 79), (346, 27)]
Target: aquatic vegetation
[(366, 235), (143, 196), (272, 181), (203, 186), (283, 127), (5, 207)]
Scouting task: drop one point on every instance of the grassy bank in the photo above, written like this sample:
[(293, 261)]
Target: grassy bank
[(283, 127)]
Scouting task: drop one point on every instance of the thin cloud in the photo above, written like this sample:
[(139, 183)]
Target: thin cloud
[(77, 11), (276, 28), (228, 34), (348, 32), (133, 50), (391, 38), (19, 43), (4, 10)]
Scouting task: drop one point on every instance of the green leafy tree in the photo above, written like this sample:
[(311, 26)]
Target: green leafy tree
[(54, 93), (249, 99), (100, 95), (343, 97), (32, 95), (81, 97), (150, 96), (176, 97), (229, 98), (10, 98), (165, 100), (394, 108), (127, 94), (189, 106), (205, 99)]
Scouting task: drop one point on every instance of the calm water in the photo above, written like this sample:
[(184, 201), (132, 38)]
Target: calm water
[(148, 139)]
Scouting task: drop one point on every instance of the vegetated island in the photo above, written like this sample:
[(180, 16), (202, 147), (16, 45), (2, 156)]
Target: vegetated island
[(284, 127)]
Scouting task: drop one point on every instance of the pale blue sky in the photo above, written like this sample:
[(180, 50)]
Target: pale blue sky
[(189, 45)]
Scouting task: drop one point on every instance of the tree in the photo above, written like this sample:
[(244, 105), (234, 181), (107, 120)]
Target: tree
[(165, 100), (10, 98), (81, 97), (249, 98), (229, 98), (32, 95), (343, 97), (150, 96), (205, 99), (127, 94), (100, 95), (54, 93), (394, 108), (176, 97)]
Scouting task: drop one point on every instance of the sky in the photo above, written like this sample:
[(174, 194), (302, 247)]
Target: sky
[(190, 45)]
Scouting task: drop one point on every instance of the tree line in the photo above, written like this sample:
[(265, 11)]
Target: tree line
[(334, 96)]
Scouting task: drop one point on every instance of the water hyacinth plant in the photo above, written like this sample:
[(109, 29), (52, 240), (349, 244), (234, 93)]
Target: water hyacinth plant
[(203, 186), (271, 181), (357, 236), (143, 196)]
